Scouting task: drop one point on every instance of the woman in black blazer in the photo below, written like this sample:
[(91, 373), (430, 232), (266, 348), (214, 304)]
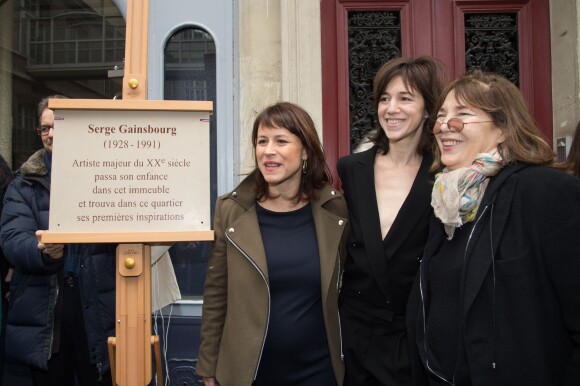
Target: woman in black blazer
[(498, 302), (387, 189)]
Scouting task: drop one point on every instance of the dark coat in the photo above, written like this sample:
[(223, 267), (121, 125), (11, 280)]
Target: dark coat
[(33, 315), (6, 177), (236, 294), (520, 286), (373, 267), (379, 272)]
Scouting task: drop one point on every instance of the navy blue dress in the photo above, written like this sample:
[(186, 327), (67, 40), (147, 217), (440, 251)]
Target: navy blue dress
[(296, 348)]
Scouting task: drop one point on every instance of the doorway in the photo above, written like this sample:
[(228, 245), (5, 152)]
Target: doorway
[(358, 36)]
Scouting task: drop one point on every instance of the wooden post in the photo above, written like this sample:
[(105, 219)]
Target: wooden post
[(133, 325), (133, 296), (130, 349), (136, 38)]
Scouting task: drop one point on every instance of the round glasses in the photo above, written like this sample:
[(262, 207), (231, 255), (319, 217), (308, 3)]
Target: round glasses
[(44, 130), (455, 125)]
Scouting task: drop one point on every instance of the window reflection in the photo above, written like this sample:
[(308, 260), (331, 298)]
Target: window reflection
[(54, 47), (190, 74)]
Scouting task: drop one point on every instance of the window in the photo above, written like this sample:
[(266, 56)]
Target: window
[(57, 48), (190, 74)]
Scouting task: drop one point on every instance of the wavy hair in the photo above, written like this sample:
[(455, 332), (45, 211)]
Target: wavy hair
[(503, 101), (297, 121), (424, 75)]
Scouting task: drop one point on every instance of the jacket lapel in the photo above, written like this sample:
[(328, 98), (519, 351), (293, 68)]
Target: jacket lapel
[(369, 216), (329, 230), (436, 238), (245, 233), (413, 208), (491, 225)]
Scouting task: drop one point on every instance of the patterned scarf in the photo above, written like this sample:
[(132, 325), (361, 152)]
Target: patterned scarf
[(457, 194)]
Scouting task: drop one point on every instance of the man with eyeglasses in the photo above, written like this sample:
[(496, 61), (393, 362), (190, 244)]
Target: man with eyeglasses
[(62, 297)]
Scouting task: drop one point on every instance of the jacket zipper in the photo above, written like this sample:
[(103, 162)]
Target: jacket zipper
[(452, 382), (493, 362), (338, 311), (425, 330), (51, 318), (471, 233), (99, 371), (268, 288)]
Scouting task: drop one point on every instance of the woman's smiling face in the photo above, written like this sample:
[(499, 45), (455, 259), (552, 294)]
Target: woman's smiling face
[(279, 155), (401, 112), (479, 134)]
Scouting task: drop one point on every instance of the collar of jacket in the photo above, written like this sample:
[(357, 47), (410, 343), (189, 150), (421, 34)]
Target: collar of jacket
[(496, 182), (410, 214), (420, 192), (436, 231), (35, 169), (478, 261), (34, 166), (245, 193), (330, 223)]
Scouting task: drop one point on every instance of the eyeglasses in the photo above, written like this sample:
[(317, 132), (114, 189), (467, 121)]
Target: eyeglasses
[(455, 125), (44, 130)]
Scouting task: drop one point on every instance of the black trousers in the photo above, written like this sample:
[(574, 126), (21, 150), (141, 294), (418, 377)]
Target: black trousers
[(376, 352), (71, 365)]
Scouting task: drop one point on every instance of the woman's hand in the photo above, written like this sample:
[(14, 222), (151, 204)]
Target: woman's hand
[(210, 382), (54, 251)]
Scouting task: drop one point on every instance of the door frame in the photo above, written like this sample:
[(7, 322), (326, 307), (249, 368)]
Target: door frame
[(420, 17)]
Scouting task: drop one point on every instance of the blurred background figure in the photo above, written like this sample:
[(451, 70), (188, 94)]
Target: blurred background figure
[(62, 298), (6, 177), (572, 164)]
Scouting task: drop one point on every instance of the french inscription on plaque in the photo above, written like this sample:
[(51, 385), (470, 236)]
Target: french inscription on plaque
[(130, 171)]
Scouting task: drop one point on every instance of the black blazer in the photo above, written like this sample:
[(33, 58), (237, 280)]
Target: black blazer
[(520, 286), (379, 271)]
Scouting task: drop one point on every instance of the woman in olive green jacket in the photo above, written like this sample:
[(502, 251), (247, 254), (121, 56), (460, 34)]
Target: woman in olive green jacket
[(270, 314)]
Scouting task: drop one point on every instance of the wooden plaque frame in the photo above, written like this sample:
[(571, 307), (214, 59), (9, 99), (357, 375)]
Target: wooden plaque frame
[(130, 349)]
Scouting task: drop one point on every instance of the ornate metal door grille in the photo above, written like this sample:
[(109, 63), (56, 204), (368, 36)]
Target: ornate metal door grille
[(491, 43), (374, 37)]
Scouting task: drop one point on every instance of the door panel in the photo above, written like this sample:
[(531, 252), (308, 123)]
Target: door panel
[(492, 20), (358, 36)]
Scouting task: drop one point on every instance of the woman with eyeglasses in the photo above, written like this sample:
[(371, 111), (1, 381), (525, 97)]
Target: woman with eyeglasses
[(498, 296), (387, 189)]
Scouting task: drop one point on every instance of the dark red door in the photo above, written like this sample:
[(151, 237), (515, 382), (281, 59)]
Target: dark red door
[(358, 36)]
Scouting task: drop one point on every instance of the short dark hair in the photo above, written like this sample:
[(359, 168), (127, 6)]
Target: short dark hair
[(424, 75), (297, 121), (43, 104)]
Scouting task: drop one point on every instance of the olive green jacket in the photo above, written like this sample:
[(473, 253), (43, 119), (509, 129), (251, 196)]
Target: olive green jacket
[(236, 296)]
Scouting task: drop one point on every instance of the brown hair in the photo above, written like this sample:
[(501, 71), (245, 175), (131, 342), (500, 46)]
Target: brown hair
[(43, 104), (572, 164), (424, 75), (502, 100), (297, 121)]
